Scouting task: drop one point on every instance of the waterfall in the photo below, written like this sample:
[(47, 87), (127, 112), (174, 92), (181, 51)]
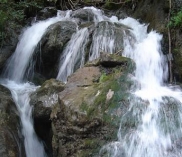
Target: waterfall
[(103, 41), (18, 63), (20, 94), (73, 55), (155, 108), (14, 74)]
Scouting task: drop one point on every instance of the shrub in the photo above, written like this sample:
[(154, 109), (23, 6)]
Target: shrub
[(176, 19), (12, 16)]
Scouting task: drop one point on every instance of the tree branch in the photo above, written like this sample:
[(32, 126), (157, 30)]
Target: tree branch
[(169, 38)]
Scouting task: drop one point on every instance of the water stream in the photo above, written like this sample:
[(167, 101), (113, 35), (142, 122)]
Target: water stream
[(14, 79), (73, 55), (155, 107)]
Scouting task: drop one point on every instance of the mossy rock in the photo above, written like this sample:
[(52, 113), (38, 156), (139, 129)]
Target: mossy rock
[(88, 112)]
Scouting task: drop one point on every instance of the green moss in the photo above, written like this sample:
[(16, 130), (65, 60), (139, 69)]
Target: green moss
[(103, 78), (12, 15), (115, 80)]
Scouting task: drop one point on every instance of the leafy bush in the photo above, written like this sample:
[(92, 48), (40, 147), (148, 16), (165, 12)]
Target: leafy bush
[(176, 19), (12, 16)]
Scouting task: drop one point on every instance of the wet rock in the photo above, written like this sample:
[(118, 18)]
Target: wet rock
[(11, 142), (43, 100), (108, 38), (51, 46), (47, 12), (45, 97), (152, 12), (83, 15), (5, 53), (112, 60)]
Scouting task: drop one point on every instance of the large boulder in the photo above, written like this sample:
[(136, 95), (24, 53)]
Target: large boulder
[(45, 97), (52, 44), (11, 142), (83, 15), (88, 110), (46, 13)]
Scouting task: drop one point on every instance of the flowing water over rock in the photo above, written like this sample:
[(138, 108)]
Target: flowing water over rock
[(15, 73), (20, 94), (74, 54), (152, 126)]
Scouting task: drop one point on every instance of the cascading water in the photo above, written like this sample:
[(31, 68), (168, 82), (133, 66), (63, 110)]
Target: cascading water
[(15, 69), (155, 109), (20, 94), (155, 112), (14, 75), (103, 41), (73, 55)]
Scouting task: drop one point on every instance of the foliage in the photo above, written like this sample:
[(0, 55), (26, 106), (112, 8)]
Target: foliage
[(114, 4), (12, 15), (176, 19)]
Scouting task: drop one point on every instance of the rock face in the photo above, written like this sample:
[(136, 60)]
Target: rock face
[(43, 100), (83, 15), (176, 39), (45, 97), (52, 44), (108, 38), (5, 53), (11, 144), (47, 12), (86, 115)]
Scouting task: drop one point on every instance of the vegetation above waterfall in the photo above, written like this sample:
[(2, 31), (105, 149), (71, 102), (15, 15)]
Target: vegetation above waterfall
[(12, 17)]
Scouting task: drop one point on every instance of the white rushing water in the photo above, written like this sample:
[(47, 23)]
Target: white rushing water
[(102, 41), (14, 75), (31, 36), (73, 54), (156, 108), (20, 94)]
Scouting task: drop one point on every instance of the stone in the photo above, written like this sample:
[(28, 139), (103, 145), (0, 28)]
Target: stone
[(45, 97), (43, 100), (83, 15), (112, 34), (52, 45), (46, 13), (11, 142), (112, 60), (84, 118)]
